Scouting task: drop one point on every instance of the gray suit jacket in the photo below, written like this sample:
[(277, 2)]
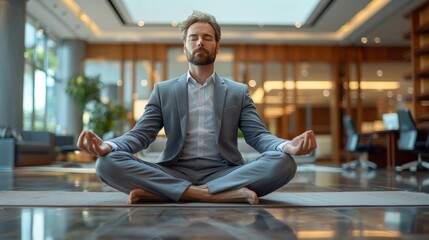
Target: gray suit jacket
[(168, 108)]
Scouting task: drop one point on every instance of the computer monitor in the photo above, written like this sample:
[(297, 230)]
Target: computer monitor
[(391, 121)]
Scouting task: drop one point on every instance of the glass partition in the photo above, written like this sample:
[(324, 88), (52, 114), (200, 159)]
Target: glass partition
[(110, 75)]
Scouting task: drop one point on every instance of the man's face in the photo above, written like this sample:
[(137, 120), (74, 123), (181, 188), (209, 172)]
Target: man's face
[(200, 45)]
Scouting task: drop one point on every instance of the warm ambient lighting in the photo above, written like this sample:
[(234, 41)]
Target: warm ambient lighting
[(315, 234), (138, 109), (71, 4), (361, 17), (322, 85), (375, 233)]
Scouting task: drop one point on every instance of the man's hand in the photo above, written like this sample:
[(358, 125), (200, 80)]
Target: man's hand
[(302, 144), (93, 144)]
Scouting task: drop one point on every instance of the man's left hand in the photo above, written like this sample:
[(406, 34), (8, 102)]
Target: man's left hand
[(302, 144)]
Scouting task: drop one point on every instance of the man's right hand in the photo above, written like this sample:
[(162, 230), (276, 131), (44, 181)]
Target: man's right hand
[(93, 144)]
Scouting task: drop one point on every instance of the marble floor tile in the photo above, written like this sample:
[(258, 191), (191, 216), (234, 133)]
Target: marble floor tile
[(219, 223)]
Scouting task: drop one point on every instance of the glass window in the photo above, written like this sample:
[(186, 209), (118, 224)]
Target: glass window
[(128, 87), (224, 62), (143, 72), (255, 84), (177, 63), (30, 40), (28, 98), (110, 75), (385, 80), (274, 91), (314, 83), (52, 57), (39, 99), (51, 99), (40, 49), (39, 112)]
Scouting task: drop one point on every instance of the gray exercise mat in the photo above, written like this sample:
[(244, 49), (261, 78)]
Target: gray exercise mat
[(276, 199)]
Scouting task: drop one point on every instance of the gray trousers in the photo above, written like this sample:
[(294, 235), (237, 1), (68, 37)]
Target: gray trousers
[(125, 172)]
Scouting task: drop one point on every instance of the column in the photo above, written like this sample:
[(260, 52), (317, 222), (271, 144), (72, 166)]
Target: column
[(72, 56), (12, 33)]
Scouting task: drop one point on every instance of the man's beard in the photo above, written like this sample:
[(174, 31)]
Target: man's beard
[(209, 59)]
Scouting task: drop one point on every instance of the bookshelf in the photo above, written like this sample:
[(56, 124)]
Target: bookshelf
[(420, 63)]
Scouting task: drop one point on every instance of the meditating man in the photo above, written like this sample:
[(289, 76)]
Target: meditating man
[(201, 113)]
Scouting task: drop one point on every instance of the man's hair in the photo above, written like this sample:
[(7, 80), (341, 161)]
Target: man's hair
[(198, 16)]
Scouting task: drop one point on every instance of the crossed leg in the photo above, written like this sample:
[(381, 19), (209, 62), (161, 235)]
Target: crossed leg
[(150, 182)]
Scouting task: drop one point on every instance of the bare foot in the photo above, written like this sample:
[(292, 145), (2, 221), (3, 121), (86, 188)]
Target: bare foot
[(198, 194), (140, 195), (251, 196)]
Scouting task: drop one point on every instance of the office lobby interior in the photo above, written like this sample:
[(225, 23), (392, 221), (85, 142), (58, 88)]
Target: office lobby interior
[(354, 72)]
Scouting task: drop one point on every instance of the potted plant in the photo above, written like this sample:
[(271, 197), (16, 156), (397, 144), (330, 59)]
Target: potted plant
[(84, 89), (86, 92)]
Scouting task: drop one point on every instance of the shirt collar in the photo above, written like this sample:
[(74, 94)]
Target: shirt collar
[(208, 80)]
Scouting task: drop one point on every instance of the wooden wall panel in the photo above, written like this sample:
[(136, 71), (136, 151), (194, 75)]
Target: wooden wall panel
[(380, 54), (256, 52), (104, 51)]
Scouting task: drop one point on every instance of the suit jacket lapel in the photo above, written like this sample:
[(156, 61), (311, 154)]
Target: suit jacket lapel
[(219, 94), (181, 92)]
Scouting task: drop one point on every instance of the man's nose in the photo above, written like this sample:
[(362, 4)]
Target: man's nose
[(200, 42)]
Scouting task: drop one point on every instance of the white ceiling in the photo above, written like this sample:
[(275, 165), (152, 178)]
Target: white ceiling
[(326, 26), (111, 22)]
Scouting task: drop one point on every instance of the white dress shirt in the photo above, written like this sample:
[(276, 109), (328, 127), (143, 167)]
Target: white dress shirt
[(200, 140)]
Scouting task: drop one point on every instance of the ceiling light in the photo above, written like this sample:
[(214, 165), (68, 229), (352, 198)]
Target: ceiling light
[(75, 9), (364, 40), (140, 23), (399, 97), (298, 25), (326, 93), (380, 73), (252, 83), (361, 17), (377, 40), (174, 23), (144, 82)]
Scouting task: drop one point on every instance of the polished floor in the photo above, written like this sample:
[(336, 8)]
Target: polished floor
[(219, 223)]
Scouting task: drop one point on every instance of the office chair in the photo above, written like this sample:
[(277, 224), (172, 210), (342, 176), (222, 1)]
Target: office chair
[(354, 145), (408, 141)]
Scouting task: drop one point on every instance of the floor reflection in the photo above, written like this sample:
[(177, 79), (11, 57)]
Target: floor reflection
[(196, 224)]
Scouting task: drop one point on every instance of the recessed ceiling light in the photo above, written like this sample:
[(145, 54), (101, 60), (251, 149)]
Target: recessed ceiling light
[(377, 40), (252, 83), (140, 23), (364, 40), (298, 25), (174, 23)]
